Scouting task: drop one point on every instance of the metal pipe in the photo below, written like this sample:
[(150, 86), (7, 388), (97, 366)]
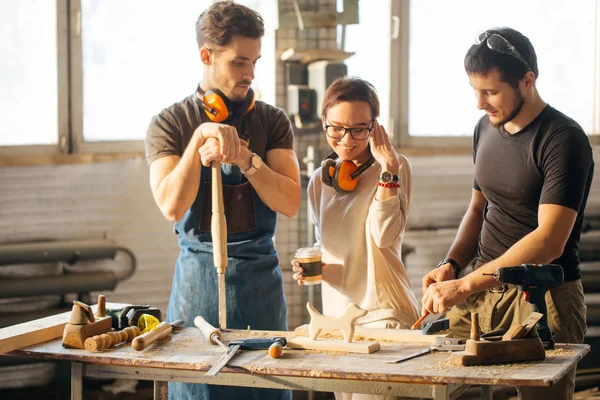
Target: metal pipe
[(58, 284), (69, 251)]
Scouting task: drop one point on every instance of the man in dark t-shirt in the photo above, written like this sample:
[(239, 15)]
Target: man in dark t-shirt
[(533, 172), (253, 141)]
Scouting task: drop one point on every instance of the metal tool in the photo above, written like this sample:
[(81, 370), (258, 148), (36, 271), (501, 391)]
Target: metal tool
[(162, 331), (244, 344), (218, 231), (534, 280), (436, 326), (441, 344)]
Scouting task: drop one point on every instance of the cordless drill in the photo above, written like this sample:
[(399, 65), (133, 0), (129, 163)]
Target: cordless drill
[(534, 280)]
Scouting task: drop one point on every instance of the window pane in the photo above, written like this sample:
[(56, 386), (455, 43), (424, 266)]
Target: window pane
[(370, 42), (28, 72), (441, 102), (140, 56)]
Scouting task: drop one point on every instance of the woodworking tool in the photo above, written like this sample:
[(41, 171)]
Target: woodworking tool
[(218, 231), (534, 280), (211, 333), (442, 344), (436, 326), (129, 315), (162, 331), (246, 344)]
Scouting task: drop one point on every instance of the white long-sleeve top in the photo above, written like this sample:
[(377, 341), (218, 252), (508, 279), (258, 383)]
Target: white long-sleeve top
[(361, 240)]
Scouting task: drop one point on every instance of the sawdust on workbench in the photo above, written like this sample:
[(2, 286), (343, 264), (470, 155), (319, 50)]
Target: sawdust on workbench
[(555, 353), (355, 338)]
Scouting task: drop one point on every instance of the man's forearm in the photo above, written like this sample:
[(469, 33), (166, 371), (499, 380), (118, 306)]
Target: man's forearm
[(532, 248), (177, 191), (464, 247), (280, 193)]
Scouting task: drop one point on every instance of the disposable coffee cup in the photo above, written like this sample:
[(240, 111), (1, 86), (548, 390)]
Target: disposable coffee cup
[(310, 260)]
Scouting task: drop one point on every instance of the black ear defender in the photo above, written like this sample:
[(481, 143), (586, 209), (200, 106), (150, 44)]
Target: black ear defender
[(219, 108), (342, 175)]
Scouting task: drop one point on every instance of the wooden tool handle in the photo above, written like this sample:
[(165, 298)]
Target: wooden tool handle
[(101, 310), (209, 331), (218, 226), (275, 350), (141, 342)]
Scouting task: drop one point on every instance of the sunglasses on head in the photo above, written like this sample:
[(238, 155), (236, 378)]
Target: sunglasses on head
[(498, 43)]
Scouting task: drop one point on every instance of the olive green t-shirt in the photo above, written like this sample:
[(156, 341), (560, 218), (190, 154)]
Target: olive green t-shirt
[(170, 131)]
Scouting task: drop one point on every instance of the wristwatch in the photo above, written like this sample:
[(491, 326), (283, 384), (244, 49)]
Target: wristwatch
[(453, 263), (388, 177), (255, 164)]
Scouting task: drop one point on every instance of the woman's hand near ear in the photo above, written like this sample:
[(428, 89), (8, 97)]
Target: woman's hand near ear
[(383, 150)]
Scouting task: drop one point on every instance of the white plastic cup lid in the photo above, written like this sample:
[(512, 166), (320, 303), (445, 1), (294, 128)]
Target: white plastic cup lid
[(307, 252)]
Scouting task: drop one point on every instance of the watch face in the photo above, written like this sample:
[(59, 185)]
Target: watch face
[(386, 176), (256, 161)]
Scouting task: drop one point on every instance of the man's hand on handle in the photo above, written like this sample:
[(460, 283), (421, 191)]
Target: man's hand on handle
[(441, 290)]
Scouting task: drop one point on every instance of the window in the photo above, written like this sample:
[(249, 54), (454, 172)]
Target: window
[(28, 73), (91, 74), (431, 96), (371, 61)]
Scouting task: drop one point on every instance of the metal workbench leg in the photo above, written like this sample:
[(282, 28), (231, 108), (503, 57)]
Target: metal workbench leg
[(161, 390), (487, 392), (76, 381)]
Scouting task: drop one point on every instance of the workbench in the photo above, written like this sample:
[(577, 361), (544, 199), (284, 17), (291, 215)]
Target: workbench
[(186, 355)]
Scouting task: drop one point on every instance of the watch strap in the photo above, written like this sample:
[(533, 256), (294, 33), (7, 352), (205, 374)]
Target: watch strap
[(454, 265)]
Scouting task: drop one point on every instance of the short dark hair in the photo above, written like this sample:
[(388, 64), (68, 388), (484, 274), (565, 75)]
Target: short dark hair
[(349, 88), (221, 21), (480, 59)]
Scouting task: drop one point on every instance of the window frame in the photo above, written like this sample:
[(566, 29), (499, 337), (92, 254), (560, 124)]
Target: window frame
[(399, 90)]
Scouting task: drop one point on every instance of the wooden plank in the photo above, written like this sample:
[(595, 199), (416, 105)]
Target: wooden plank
[(333, 345), (392, 335), (38, 331)]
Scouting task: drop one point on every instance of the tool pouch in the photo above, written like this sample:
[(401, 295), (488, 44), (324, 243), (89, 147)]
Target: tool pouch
[(238, 202)]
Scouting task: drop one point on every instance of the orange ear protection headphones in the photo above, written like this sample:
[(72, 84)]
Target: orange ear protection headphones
[(219, 108), (342, 175)]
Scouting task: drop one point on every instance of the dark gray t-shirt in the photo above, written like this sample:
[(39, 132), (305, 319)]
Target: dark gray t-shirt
[(548, 162), (170, 131)]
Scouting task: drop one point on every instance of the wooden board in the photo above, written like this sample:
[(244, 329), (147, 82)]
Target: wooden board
[(333, 345), (38, 331), (392, 335)]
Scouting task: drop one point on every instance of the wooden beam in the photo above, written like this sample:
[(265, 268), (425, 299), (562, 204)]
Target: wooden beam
[(392, 335), (39, 330), (333, 345)]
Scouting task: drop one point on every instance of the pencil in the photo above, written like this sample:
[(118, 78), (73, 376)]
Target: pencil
[(419, 321)]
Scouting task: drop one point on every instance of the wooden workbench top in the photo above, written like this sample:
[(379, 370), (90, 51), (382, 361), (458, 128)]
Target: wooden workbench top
[(187, 349)]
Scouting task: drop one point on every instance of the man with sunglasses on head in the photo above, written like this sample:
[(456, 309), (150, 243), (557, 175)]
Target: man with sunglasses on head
[(533, 172), (260, 177)]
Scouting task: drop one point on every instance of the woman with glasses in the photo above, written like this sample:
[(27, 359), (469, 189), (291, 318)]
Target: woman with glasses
[(359, 222)]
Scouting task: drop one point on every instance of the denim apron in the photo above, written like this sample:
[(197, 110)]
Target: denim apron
[(253, 279)]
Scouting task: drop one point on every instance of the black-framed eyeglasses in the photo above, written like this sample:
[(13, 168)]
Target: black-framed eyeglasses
[(498, 43), (357, 133)]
